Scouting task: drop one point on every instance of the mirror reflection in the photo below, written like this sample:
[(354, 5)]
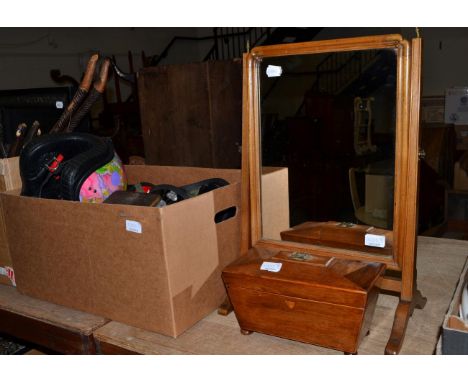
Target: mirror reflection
[(328, 126)]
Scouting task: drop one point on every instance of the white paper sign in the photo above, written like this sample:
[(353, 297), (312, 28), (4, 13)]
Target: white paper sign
[(274, 71), (133, 226), (271, 267), (374, 240)]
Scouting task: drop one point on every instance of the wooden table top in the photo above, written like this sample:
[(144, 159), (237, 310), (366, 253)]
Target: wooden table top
[(439, 262)]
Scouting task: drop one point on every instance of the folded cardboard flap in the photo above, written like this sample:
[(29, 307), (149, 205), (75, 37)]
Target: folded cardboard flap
[(9, 179), (456, 323), (206, 248), (454, 329), (177, 176), (452, 319), (9, 174)]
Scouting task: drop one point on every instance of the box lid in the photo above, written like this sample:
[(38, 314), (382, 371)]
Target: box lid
[(336, 281)]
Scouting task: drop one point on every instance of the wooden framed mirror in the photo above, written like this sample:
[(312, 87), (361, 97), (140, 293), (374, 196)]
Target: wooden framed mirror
[(281, 81)]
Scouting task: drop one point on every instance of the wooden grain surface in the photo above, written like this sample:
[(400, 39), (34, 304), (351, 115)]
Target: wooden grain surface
[(191, 114), (440, 262), (14, 302)]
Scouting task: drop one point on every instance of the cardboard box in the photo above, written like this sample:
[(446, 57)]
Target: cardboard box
[(454, 329), (9, 180), (154, 268)]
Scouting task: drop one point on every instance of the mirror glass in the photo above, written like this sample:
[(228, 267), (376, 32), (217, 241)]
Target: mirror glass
[(327, 141)]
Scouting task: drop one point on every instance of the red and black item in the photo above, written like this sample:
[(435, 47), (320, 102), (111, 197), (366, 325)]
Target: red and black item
[(171, 194), (55, 166)]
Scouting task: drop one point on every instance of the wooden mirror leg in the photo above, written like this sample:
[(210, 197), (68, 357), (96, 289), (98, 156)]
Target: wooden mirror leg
[(225, 308), (402, 315)]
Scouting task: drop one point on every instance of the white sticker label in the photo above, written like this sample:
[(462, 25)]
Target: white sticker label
[(133, 226), (274, 71), (374, 240), (59, 104), (271, 267)]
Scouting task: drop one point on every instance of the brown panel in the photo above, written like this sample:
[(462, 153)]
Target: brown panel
[(191, 114), (313, 322), (50, 336), (175, 113), (225, 91), (331, 284)]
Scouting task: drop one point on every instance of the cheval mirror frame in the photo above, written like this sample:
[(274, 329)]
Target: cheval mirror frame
[(402, 263)]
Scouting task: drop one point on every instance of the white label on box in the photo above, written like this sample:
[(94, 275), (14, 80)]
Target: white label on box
[(133, 226), (374, 240), (271, 267), (274, 71)]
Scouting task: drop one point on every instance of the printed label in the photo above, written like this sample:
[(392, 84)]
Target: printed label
[(271, 267), (374, 240), (133, 226)]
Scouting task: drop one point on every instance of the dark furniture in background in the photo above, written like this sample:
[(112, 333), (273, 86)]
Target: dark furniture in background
[(27, 105), (191, 114)]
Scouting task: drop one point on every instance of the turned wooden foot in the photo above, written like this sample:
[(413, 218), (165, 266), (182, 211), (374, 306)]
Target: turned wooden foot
[(246, 332), (225, 308)]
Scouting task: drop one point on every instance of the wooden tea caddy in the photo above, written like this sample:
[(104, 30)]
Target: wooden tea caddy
[(325, 292)]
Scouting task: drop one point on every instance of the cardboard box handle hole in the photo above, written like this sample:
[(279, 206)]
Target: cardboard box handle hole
[(226, 214)]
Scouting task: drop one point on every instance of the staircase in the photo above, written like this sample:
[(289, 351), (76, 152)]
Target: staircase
[(232, 42), (357, 73)]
